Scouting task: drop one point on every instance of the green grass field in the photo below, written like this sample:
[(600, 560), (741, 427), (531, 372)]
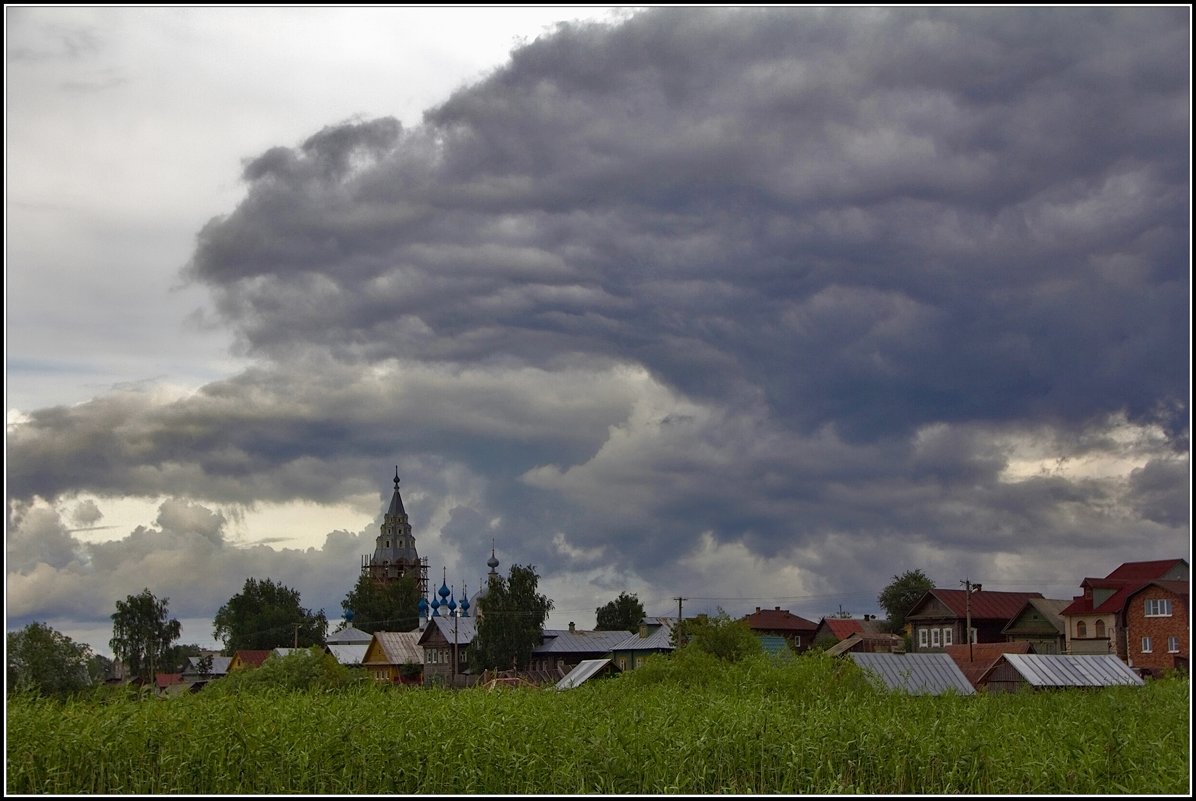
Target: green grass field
[(693, 725)]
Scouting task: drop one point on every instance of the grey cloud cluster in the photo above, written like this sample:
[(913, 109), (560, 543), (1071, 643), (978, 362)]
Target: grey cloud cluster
[(780, 282)]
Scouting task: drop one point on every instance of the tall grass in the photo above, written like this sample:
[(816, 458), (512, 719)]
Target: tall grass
[(686, 725)]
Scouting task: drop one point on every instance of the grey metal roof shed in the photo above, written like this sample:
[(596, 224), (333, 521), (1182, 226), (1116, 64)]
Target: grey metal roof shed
[(917, 674), (1058, 670)]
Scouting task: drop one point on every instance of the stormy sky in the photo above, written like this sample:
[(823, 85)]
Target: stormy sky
[(754, 307)]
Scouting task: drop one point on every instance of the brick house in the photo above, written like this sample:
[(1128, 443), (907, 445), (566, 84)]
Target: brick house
[(777, 622), (1096, 619), (1156, 626), (939, 617)]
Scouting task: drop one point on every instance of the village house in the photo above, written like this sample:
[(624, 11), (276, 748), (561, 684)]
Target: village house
[(1040, 622), (394, 657), (1157, 626), (834, 629), (777, 622), (938, 619), (654, 637), (1096, 621)]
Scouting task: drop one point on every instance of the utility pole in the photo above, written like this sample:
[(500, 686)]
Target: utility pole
[(970, 588), (680, 618), (456, 630), (296, 625)]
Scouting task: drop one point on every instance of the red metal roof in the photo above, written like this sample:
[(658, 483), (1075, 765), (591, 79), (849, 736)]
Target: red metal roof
[(254, 658), (986, 604), (778, 620), (1143, 571), (164, 680), (843, 627)]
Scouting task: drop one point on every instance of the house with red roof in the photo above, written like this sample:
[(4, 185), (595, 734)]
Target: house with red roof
[(1096, 619), (939, 618), (777, 622), (834, 630), (1157, 626), (249, 659)]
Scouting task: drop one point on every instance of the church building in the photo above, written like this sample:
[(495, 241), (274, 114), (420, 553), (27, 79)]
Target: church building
[(394, 554)]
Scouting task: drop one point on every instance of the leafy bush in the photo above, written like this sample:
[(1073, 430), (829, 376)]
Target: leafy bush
[(305, 669)]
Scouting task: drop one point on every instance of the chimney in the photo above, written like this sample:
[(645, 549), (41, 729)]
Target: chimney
[(572, 628), (776, 609), (757, 609)]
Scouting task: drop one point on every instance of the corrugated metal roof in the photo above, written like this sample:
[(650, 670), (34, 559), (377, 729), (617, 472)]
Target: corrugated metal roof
[(579, 642), (464, 629), (917, 674), (658, 639), (1062, 670), (585, 669), (219, 666), (400, 647), (975, 660), (350, 653)]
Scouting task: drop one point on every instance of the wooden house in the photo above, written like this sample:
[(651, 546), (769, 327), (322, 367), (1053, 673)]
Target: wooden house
[(939, 618), (1041, 623), (832, 630), (654, 637), (394, 657), (777, 622), (977, 659), (243, 660)]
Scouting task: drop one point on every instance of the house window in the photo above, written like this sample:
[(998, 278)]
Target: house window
[(922, 642), (946, 636), (1173, 644), (1081, 629), (797, 641), (1100, 628), (1146, 648), (1158, 607), (935, 638)]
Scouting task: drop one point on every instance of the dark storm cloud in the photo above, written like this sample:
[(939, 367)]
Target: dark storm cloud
[(881, 218), (706, 293)]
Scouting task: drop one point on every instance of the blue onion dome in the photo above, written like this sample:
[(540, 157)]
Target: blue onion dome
[(492, 562), (423, 607), (452, 605), (444, 591), (348, 615), (464, 605), (435, 607)]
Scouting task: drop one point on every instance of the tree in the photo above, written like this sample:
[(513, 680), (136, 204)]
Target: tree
[(49, 662), (176, 659), (142, 634), (389, 606), (719, 636), (901, 594), (622, 614), (511, 621), (265, 615)]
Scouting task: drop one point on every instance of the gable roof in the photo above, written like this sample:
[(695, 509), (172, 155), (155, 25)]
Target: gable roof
[(985, 604), (219, 666), (778, 619), (1062, 670), (660, 632), (557, 641), (393, 648), (164, 680), (458, 630), (1050, 608), (252, 658), (916, 674), (347, 635), (983, 655), (1145, 571), (350, 653)]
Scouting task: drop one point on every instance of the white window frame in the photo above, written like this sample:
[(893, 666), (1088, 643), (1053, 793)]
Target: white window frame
[(923, 638), (1173, 644), (936, 638), (1147, 646), (1158, 607), (947, 637)]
